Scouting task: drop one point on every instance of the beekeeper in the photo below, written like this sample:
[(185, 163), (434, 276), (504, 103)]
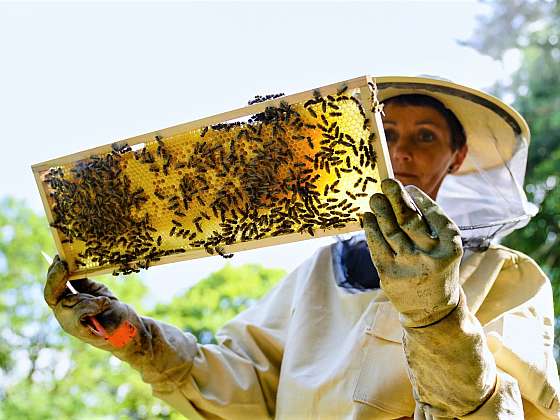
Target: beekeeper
[(444, 324)]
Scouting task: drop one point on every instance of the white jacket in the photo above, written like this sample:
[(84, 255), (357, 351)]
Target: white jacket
[(311, 350)]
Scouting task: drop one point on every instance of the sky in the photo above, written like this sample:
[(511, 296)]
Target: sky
[(79, 75)]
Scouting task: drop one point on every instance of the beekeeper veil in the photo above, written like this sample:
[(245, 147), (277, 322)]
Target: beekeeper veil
[(485, 196)]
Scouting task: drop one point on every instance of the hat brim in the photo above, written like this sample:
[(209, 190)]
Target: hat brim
[(494, 130)]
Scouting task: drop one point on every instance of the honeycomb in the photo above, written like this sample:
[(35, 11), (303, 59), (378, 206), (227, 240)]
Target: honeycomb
[(297, 167)]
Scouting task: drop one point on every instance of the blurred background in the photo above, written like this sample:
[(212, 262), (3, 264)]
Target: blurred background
[(78, 75)]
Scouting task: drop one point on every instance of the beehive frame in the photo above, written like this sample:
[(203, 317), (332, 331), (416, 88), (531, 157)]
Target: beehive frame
[(361, 87)]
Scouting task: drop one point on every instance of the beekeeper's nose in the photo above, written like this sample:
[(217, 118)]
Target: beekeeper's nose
[(401, 151)]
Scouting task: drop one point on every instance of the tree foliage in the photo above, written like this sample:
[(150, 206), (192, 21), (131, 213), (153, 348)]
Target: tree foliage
[(47, 374), (532, 28), (205, 308)]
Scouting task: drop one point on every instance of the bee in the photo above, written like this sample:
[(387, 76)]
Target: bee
[(337, 172), (159, 240), (342, 89), (335, 114), (349, 194), (192, 236), (242, 133), (359, 105), (310, 102), (120, 147), (312, 112), (176, 223), (364, 185)]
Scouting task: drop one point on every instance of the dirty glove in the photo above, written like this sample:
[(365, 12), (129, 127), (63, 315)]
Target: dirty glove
[(417, 256), (161, 353), (94, 314)]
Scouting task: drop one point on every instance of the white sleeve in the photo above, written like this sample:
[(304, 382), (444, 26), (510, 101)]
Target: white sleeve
[(235, 379)]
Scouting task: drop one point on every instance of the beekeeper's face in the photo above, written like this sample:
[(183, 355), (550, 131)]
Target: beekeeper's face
[(419, 140)]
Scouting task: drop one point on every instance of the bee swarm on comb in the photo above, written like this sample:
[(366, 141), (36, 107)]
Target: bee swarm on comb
[(292, 168)]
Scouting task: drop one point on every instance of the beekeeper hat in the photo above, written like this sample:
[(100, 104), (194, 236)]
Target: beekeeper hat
[(494, 130)]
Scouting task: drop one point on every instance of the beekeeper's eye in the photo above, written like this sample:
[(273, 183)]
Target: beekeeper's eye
[(427, 136), (390, 135)]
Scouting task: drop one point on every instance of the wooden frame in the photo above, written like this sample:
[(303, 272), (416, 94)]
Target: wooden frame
[(375, 125)]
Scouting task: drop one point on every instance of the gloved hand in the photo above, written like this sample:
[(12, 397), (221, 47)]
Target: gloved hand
[(417, 257), (110, 329), (161, 353)]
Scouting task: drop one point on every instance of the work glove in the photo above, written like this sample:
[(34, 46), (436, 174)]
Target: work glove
[(161, 353), (93, 315), (416, 249)]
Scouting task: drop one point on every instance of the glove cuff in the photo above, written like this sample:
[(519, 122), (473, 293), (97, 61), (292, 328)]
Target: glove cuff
[(425, 318), (450, 365)]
